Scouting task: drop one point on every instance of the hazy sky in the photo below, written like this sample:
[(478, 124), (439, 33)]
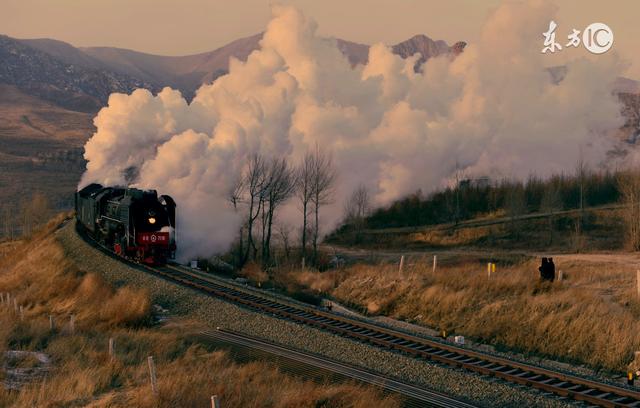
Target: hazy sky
[(175, 27)]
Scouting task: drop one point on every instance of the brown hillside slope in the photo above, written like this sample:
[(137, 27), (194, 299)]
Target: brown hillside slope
[(42, 280)]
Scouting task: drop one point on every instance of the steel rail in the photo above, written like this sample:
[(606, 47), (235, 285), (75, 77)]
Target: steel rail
[(556, 382), (417, 394)]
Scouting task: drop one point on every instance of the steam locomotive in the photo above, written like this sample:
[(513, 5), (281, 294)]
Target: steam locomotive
[(135, 224)]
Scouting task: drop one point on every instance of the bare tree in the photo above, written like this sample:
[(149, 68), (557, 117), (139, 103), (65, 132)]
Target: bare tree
[(279, 187), (516, 206), (629, 185), (322, 186), (581, 174), (284, 232), (234, 196), (35, 212), (304, 193), (357, 206), (254, 181), (551, 203), (8, 222)]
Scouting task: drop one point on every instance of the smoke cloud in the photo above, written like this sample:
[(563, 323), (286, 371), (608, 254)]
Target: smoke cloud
[(493, 110)]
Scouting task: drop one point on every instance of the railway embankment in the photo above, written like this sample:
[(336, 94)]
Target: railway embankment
[(182, 301), (71, 338)]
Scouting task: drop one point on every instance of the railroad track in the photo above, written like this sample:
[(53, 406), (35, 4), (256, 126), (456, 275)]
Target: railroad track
[(416, 396), (555, 382), (547, 380)]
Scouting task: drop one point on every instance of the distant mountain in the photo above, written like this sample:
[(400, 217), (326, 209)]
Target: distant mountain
[(186, 73), (50, 91), (73, 86), (82, 78)]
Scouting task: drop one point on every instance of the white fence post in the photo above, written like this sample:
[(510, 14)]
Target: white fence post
[(435, 263), (152, 375), (401, 264), (215, 401)]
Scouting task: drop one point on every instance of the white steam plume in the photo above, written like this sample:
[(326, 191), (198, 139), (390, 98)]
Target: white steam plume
[(493, 110)]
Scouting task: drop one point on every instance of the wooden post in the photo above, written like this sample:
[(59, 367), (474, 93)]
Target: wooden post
[(560, 275), (72, 324), (303, 263), (112, 350), (215, 401), (21, 313), (435, 263), (15, 305), (401, 264), (152, 375), (51, 327)]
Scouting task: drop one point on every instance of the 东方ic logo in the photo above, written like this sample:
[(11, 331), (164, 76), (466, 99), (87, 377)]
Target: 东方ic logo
[(597, 38)]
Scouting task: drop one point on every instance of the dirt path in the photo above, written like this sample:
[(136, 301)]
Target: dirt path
[(626, 259), (623, 259)]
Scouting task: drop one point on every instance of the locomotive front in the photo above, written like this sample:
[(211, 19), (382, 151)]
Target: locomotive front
[(136, 224)]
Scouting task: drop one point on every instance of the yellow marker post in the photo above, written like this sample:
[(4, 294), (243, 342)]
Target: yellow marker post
[(630, 378), (493, 268)]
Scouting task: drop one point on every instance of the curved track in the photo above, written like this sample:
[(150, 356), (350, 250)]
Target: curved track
[(551, 381), (558, 383)]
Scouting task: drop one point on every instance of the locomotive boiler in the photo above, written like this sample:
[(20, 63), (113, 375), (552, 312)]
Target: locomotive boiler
[(133, 223)]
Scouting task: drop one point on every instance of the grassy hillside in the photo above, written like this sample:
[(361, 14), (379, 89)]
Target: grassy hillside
[(80, 371), (591, 317), (595, 229), (562, 213), (40, 152)]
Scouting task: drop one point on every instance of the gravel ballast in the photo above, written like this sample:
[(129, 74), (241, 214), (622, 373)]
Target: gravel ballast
[(182, 301)]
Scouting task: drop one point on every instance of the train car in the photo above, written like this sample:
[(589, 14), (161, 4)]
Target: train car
[(133, 223)]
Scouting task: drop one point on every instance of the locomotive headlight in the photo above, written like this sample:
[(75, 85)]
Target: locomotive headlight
[(152, 220)]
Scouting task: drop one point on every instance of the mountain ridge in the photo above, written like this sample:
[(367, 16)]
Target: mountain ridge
[(186, 73)]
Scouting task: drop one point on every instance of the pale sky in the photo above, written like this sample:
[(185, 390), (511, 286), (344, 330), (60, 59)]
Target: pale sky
[(179, 27)]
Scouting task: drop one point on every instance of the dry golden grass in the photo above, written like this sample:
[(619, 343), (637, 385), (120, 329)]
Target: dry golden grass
[(41, 279), (82, 372), (254, 272), (592, 317), (452, 237)]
